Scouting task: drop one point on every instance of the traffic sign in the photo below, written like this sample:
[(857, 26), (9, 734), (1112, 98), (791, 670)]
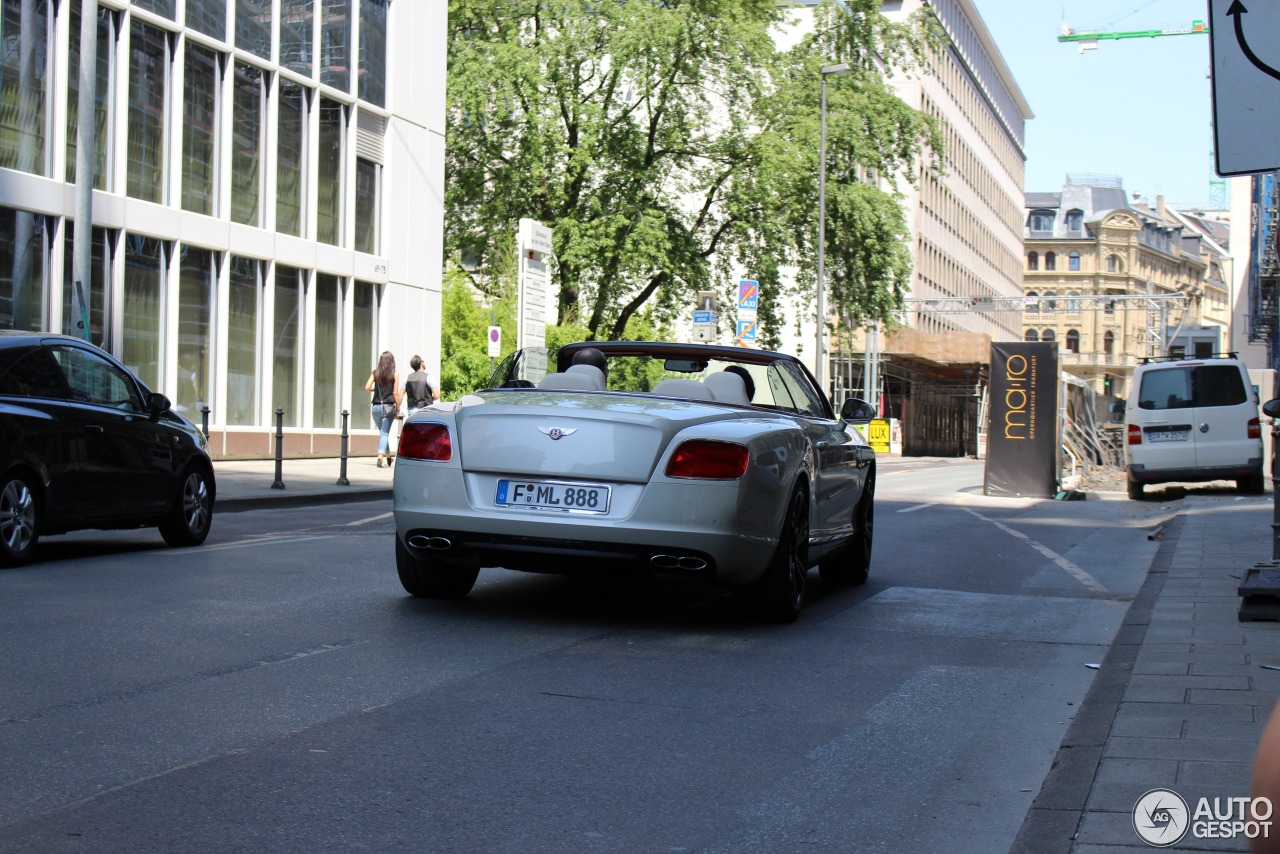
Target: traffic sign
[(749, 294), (495, 341), (704, 317), (1245, 69), (746, 330)]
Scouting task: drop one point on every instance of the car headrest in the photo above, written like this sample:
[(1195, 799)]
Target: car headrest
[(727, 387), (683, 388), (591, 372), (567, 381)]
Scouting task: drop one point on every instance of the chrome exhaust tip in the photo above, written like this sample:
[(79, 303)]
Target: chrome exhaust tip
[(435, 544), (665, 561)]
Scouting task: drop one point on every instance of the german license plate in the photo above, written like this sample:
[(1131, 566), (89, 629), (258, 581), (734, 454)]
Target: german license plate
[(549, 495), (1167, 435)]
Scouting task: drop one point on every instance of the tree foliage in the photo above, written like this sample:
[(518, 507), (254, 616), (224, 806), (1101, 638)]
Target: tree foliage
[(671, 145), (465, 365)]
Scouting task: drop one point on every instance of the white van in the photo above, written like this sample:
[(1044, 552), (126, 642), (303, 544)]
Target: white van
[(1193, 420)]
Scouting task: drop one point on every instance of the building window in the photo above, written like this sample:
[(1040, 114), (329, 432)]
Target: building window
[(296, 17), (329, 179), (165, 8), (335, 45), (1073, 301), (1113, 263), (247, 140), (208, 17), (92, 325), (1050, 261), (1073, 261), (199, 129), (195, 308), (1048, 335), (368, 205), (373, 52), (1075, 222), (364, 328), (22, 262), (1108, 342), (1032, 335), (101, 113), (1073, 340), (144, 274), (1033, 260), (148, 84), (1048, 304), (286, 345), (290, 159), (328, 349), (1041, 222), (253, 27), (23, 78), (1109, 307), (244, 312)]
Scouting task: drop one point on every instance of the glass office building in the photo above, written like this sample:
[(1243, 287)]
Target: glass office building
[(267, 203)]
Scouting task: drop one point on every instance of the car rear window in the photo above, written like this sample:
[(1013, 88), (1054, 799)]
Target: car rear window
[(1189, 386), (32, 373)]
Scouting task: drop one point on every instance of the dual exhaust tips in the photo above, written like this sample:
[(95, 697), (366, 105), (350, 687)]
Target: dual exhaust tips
[(687, 563)]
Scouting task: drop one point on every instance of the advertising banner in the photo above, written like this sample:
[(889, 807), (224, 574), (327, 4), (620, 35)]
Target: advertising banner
[(1022, 436)]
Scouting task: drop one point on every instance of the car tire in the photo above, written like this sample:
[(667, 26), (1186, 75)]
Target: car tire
[(1135, 490), (187, 523), (780, 593), (433, 579), (1254, 484), (850, 564), (19, 520)]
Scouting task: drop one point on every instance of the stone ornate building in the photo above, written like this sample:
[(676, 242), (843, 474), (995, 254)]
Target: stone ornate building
[(1114, 281)]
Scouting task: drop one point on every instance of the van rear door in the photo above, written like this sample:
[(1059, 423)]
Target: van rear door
[(1224, 406)]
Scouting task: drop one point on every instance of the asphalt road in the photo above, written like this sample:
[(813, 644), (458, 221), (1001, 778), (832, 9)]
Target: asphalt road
[(275, 690)]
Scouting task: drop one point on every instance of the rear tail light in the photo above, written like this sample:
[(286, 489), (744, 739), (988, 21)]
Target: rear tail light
[(1135, 434), (703, 459), (428, 441), (1255, 428)]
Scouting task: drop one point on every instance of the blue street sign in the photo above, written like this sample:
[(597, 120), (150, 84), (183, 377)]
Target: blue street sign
[(746, 330), (704, 317), (748, 294)]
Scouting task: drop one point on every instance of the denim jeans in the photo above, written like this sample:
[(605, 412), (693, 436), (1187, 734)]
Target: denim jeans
[(384, 427)]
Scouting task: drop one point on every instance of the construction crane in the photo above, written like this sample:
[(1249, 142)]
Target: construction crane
[(1088, 39)]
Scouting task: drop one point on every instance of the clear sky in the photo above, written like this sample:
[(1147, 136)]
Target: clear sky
[(1137, 108)]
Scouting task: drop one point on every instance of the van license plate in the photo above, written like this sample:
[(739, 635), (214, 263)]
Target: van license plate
[(544, 495), (1167, 435)]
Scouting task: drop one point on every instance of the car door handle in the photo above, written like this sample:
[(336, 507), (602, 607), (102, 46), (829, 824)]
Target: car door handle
[(92, 428)]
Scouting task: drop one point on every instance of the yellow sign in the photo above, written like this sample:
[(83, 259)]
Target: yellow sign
[(878, 435)]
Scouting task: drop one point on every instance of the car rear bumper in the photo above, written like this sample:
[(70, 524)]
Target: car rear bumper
[(1193, 474)]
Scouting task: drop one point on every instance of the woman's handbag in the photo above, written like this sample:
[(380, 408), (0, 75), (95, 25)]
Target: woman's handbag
[(390, 410)]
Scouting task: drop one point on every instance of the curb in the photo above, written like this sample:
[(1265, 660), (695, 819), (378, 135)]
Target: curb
[(300, 499)]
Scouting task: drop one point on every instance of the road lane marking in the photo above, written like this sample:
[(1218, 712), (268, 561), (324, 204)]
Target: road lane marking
[(914, 509), (265, 541), (377, 518), (1074, 571)]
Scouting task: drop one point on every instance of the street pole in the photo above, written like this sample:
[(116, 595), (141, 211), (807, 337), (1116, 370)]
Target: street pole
[(82, 238), (820, 355)]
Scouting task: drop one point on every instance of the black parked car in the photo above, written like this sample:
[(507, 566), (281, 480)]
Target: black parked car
[(85, 444)]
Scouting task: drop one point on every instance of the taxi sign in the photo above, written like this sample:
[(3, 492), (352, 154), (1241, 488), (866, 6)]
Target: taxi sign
[(749, 294)]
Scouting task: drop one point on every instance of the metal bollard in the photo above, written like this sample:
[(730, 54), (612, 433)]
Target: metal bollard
[(279, 482), (342, 470), (204, 417)]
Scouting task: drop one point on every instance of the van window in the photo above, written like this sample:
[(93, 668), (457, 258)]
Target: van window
[(1184, 387)]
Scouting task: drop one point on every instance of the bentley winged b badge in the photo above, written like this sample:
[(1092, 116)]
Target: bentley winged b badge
[(556, 432)]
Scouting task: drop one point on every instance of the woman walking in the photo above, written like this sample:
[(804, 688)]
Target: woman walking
[(384, 382)]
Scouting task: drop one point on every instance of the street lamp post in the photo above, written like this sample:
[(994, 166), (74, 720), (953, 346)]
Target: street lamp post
[(820, 357)]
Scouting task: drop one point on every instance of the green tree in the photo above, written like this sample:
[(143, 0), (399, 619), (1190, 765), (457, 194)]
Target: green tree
[(671, 143), (464, 324)]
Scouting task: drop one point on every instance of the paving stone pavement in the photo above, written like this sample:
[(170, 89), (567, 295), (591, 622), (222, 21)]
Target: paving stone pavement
[(1180, 700)]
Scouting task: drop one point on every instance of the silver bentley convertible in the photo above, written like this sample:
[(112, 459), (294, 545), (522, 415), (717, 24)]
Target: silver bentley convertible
[(720, 464)]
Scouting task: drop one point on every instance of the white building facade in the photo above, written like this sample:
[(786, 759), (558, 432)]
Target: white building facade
[(267, 206)]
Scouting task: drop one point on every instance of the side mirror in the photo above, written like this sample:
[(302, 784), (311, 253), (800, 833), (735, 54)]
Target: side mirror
[(157, 404), (856, 409), (1271, 408)]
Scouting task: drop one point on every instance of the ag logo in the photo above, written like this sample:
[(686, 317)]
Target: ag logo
[(1161, 817)]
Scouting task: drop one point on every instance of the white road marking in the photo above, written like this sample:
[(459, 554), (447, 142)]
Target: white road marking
[(1074, 571), (265, 541), (914, 509), (377, 518)]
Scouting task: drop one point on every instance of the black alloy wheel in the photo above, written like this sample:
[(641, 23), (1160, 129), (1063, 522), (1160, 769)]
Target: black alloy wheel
[(852, 563), (19, 520), (780, 593), (189, 520)]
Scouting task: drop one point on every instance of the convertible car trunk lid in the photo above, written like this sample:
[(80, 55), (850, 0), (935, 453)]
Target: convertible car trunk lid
[(616, 437)]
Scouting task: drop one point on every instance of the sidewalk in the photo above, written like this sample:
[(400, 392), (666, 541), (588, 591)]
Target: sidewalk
[(246, 484), (1181, 698)]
